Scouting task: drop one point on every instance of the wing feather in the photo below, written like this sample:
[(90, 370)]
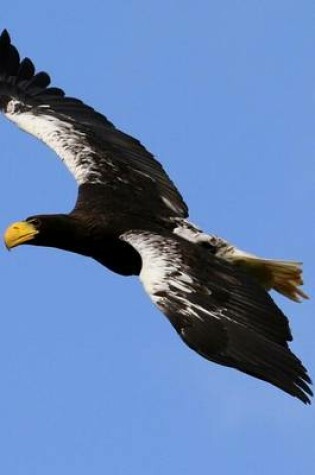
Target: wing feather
[(218, 311), (26, 70), (91, 147)]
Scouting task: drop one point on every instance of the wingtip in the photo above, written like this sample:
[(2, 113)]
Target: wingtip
[(305, 397), (5, 37)]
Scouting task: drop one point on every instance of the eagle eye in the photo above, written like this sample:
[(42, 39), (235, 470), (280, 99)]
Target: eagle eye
[(35, 222)]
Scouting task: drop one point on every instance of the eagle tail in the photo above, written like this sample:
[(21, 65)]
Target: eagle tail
[(283, 276), (287, 278)]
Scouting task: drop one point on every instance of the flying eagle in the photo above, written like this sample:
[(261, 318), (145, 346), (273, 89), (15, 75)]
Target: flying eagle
[(130, 217)]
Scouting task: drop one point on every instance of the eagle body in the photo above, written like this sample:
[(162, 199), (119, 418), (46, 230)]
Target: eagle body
[(130, 217)]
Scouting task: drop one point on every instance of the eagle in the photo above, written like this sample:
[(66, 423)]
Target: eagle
[(130, 217)]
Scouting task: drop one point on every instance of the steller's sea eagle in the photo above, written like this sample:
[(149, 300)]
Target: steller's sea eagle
[(130, 217)]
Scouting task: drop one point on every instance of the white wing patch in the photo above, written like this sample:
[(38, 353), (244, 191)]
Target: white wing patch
[(61, 136), (165, 277), (92, 161), (160, 261), (189, 231)]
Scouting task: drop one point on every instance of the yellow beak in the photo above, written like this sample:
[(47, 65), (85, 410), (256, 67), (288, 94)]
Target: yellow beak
[(19, 233)]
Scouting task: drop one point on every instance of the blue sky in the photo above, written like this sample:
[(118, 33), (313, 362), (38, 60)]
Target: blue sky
[(93, 377)]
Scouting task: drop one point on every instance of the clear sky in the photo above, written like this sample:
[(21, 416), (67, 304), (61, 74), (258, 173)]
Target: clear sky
[(93, 378)]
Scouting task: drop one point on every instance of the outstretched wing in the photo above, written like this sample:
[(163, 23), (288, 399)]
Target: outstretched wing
[(219, 312), (91, 147)]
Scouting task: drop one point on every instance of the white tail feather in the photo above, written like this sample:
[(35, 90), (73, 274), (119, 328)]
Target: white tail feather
[(283, 276)]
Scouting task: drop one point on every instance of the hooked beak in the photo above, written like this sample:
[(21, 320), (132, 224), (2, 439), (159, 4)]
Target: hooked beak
[(19, 233)]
